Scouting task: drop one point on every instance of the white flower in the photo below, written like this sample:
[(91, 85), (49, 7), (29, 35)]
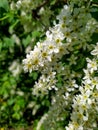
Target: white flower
[(95, 51), (87, 74), (92, 65), (70, 127), (94, 82), (18, 4), (28, 63), (15, 68)]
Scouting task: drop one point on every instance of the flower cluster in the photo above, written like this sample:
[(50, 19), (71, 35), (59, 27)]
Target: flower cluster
[(47, 53), (33, 14), (45, 83), (85, 105), (73, 29), (56, 57)]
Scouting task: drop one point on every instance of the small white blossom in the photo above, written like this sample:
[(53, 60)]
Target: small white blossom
[(92, 65), (95, 51)]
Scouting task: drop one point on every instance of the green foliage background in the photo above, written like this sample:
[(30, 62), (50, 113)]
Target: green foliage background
[(18, 107), (16, 90)]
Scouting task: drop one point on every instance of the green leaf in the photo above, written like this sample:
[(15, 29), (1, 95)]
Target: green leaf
[(53, 2), (33, 75), (16, 115), (16, 107), (26, 41), (6, 84), (4, 4), (11, 101), (36, 34), (8, 42), (21, 102)]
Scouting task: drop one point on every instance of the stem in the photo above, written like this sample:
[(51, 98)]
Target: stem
[(5, 17)]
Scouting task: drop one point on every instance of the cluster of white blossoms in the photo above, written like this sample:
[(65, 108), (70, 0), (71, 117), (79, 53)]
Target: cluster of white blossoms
[(45, 83), (73, 29), (25, 5), (67, 38), (33, 14), (85, 105)]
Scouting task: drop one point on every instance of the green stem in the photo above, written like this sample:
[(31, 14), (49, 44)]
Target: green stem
[(5, 17)]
